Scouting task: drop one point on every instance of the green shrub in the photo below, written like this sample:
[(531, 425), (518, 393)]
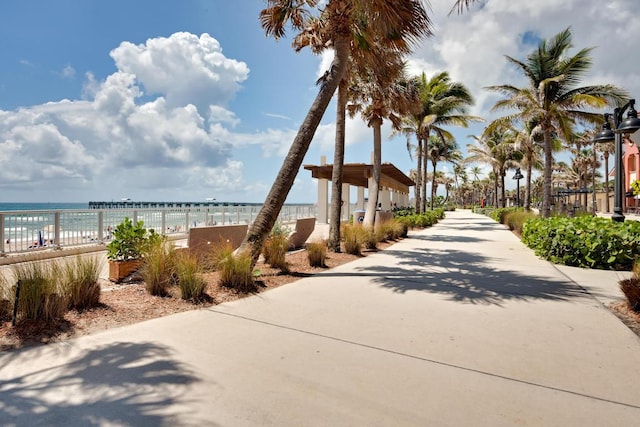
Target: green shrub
[(585, 241), (235, 271), (189, 276), (82, 281), (158, 268), (317, 254), (41, 295), (131, 241)]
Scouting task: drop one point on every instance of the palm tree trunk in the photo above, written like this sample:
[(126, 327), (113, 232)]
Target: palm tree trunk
[(606, 181), (374, 185), (433, 182), (338, 163), (424, 175), (268, 214), (527, 190), (503, 196), (546, 185), (419, 177)]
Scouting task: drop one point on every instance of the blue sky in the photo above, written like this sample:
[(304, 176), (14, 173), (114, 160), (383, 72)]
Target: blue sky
[(187, 99)]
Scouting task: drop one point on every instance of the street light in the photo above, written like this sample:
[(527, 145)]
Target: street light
[(518, 176), (628, 126)]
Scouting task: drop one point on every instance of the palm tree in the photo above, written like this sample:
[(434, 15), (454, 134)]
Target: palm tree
[(444, 103), (608, 149), (402, 22), (553, 98), (441, 150), (383, 94)]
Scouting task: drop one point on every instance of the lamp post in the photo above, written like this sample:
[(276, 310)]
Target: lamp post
[(628, 126), (518, 176)]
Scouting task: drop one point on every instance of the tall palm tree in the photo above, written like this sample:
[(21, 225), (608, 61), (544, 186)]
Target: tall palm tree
[(403, 22), (441, 150), (444, 103), (553, 98), (383, 94)]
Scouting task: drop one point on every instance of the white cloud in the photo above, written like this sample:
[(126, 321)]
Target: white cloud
[(184, 68), (118, 135), (68, 72)]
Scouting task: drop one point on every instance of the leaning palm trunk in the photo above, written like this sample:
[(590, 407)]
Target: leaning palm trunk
[(338, 163), (374, 185), (266, 218)]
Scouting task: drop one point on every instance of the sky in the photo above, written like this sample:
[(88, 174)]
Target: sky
[(184, 100)]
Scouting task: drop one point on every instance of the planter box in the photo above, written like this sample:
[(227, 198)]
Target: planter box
[(118, 270)]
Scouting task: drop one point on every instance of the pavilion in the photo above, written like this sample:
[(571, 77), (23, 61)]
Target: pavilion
[(394, 187)]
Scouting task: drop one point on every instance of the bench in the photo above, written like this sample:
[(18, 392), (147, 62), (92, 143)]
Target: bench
[(304, 228), (201, 239)]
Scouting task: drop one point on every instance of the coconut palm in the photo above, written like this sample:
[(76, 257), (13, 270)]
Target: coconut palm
[(553, 98), (444, 103), (402, 22), (381, 94), (441, 150)]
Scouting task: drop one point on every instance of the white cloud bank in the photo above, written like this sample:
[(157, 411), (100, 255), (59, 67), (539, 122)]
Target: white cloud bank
[(159, 122)]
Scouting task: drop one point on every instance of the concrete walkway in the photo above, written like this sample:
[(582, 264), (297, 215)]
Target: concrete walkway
[(458, 325)]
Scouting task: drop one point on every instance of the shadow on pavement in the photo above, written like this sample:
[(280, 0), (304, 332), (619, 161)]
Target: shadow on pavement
[(465, 277), (118, 384)]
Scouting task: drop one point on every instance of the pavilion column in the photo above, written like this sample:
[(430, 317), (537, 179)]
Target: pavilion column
[(346, 205), (360, 202), (384, 198), (323, 196)]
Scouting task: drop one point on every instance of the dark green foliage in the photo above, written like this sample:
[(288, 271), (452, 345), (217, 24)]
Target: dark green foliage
[(131, 241), (423, 220), (585, 241)]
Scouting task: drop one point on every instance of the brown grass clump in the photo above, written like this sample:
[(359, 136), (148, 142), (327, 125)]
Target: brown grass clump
[(157, 268), (631, 288), (275, 251), (317, 254), (353, 236), (41, 295), (235, 271), (81, 280), (188, 274)]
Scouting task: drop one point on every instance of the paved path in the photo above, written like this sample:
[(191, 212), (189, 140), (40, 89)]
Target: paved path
[(458, 325)]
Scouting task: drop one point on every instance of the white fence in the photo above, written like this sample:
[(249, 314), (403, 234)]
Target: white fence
[(24, 231)]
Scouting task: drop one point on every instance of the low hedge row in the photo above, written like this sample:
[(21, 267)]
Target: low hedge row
[(425, 219), (590, 242)]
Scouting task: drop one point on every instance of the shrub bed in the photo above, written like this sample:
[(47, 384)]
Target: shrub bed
[(585, 241)]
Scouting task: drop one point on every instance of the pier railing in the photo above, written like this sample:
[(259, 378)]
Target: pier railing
[(25, 231)]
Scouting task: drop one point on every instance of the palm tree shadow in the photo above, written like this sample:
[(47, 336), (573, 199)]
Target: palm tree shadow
[(466, 278), (118, 384)]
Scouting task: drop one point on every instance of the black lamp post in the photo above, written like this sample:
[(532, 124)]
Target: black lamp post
[(628, 126), (518, 176)]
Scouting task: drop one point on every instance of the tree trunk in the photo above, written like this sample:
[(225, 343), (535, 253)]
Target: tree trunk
[(606, 181), (503, 196), (424, 174), (372, 204), (495, 191), (548, 164), (268, 214), (434, 163), (418, 188), (527, 190), (338, 163)]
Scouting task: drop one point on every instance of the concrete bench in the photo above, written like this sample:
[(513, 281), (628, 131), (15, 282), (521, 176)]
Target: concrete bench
[(202, 239), (304, 228)]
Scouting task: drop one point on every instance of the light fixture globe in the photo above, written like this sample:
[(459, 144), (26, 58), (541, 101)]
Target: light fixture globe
[(632, 122), (606, 134)]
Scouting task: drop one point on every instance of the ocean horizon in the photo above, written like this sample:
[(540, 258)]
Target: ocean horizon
[(42, 206)]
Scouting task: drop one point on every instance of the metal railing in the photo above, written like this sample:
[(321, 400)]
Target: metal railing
[(25, 231)]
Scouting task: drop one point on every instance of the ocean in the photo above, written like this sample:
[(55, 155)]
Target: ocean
[(50, 206)]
